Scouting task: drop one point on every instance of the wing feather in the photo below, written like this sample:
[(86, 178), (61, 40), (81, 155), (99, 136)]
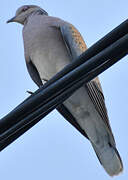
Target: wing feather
[(76, 45)]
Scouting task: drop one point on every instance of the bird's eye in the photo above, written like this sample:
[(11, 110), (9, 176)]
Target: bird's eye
[(25, 8)]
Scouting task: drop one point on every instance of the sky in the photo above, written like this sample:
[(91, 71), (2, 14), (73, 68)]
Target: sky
[(53, 149)]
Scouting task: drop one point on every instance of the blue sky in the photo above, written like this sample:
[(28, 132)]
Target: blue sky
[(53, 149)]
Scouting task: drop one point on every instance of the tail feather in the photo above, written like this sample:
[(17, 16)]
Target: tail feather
[(109, 159)]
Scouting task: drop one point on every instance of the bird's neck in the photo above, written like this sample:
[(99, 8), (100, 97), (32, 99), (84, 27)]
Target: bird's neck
[(37, 12)]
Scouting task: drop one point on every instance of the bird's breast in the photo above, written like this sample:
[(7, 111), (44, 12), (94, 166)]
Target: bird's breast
[(46, 49)]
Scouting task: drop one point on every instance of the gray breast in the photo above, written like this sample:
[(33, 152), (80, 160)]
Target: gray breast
[(44, 45)]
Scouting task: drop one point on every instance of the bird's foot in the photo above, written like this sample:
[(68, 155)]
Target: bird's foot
[(30, 92), (43, 81)]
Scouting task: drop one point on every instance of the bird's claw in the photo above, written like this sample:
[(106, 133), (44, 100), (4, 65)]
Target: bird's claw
[(30, 92)]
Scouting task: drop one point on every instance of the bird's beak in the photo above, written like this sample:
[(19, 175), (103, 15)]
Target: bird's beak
[(12, 20)]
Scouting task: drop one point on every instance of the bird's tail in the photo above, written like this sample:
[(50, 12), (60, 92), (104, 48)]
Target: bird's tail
[(109, 159)]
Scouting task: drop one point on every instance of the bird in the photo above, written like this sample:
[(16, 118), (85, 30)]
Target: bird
[(51, 43)]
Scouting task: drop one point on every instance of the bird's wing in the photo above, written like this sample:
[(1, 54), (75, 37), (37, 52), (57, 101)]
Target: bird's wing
[(34, 73), (76, 45), (96, 95), (73, 40)]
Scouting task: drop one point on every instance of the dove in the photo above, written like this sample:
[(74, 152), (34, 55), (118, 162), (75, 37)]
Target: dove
[(51, 43)]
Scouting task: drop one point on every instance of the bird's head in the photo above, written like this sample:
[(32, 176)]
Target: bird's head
[(24, 12)]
